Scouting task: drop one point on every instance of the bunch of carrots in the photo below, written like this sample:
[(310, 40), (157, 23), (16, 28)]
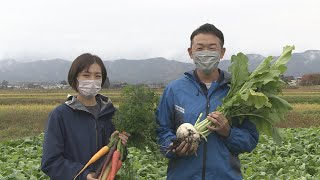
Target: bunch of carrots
[(114, 156)]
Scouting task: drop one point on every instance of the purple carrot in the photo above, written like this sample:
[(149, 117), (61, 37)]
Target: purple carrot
[(107, 160)]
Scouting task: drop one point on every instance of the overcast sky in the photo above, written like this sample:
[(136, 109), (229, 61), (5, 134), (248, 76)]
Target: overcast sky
[(141, 29)]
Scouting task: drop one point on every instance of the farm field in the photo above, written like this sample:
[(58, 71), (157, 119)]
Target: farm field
[(23, 115)]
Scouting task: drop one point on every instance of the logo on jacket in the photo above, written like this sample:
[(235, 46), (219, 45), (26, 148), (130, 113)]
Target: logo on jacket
[(178, 108)]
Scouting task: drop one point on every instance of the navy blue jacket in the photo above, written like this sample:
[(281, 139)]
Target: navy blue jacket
[(182, 101), (73, 136)]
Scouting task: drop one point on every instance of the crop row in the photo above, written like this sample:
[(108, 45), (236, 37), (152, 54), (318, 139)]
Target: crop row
[(20, 120), (57, 99), (298, 158)]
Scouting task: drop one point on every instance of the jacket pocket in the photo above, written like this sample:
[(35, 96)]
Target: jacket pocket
[(178, 116), (235, 164), (232, 160)]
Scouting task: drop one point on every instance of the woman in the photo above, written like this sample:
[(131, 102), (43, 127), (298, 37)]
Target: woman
[(78, 128)]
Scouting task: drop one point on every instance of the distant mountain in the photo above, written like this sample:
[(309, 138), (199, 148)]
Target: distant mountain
[(6, 64), (40, 71), (158, 70), (155, 70)]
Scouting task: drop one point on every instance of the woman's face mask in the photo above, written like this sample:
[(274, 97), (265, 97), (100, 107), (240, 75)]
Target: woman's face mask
[(89, 88), (207, 61)]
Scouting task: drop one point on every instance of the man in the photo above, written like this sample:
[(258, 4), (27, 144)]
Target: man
[(201, 91)]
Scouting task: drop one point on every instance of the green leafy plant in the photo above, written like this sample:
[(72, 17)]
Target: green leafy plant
[(298, 158), (20, 159), (135, 115), (144, 165)]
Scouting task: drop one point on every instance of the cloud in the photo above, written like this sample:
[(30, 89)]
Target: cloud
[(141, 29)]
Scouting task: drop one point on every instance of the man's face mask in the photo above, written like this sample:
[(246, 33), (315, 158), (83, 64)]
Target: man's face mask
[(206, 60), (89, 88)]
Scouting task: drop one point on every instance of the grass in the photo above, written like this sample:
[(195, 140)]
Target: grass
[(24, 112), (50, 97), (46, 100), (302, 95), (301, 98), (22, 120), (303, 116)]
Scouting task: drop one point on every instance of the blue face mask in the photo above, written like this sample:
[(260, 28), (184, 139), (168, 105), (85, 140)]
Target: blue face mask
[(207, 61)]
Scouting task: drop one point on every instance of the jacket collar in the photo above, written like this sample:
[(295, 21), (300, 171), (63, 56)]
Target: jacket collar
[(75, 104), (224, 77)]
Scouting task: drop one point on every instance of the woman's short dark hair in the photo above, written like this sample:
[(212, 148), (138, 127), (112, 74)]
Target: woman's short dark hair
[(208, 29), (82, 62)]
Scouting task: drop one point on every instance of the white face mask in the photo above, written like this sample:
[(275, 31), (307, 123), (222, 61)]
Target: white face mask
[(206, 60), (89, 88)]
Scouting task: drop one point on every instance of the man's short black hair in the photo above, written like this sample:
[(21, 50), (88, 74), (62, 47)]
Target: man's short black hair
[(207, 29), (82, 62)]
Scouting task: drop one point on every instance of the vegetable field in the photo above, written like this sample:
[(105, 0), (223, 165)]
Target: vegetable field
[(299, 158), (23, 116)]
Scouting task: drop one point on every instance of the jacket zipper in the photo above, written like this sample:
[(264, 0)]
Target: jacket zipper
[(204, 164), (205, 143), (96, 122)]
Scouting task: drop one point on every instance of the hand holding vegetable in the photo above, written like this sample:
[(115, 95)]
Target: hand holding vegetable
[(124, 136), (187, 141), (113, 160), (104, 150), (220, 124), (90, 176), (184, 149)]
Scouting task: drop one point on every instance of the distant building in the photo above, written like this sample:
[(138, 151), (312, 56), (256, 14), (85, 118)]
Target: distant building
[(298, 80), (56, 86), (156, 85), (34, 86), (118, 84), (293, 83)]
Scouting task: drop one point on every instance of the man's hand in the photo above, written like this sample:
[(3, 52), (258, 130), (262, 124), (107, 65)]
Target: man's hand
[(90, 176), (124, 136), (221, 124), (185, 149)]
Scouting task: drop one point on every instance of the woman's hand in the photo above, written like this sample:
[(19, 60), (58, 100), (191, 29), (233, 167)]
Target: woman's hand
[(124, 136), (90, 176)]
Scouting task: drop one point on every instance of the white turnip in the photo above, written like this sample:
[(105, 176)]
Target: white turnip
[(188, 133)]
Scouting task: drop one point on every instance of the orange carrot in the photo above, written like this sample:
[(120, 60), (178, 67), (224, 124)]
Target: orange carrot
[(119, 165), (94, 158), (109, 175), (121, 158), (115, 159), (98, 155)]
